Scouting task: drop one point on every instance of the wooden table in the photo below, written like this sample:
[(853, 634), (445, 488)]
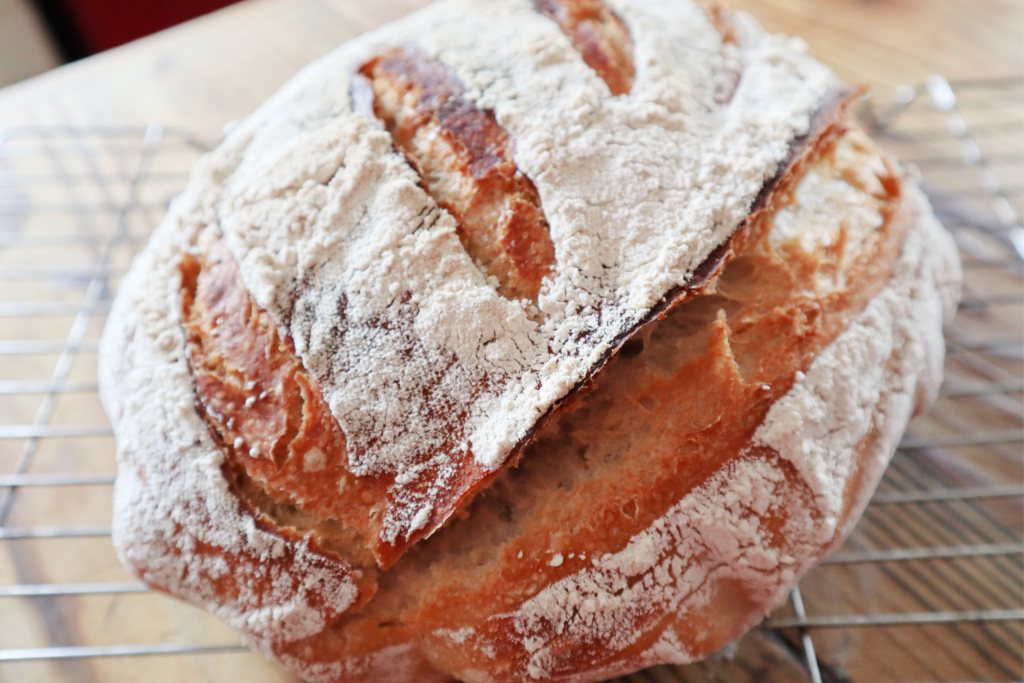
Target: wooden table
[(201, 75)]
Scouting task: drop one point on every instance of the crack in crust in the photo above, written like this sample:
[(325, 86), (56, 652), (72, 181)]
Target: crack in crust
[(759, 308), (601, 37), (632, 516), (464, 159), (627, 447), (285, 451), (286, 454)]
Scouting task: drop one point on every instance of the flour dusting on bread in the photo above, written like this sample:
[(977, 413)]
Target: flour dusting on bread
[(416, 353), (863, 387), (613, 439), (175, 521), (869, 380)]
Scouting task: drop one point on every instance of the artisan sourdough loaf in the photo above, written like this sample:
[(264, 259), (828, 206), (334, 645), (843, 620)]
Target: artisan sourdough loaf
[(522, 340)]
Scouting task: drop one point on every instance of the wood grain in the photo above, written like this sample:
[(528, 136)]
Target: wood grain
[(889, 43)]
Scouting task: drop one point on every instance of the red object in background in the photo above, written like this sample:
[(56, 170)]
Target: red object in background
[(103, 24)]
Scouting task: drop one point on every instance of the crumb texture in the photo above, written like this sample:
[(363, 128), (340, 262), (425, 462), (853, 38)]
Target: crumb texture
[(752, 526), (662, 516)]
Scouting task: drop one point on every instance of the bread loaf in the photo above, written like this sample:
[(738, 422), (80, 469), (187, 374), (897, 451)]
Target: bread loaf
[(522, 341)]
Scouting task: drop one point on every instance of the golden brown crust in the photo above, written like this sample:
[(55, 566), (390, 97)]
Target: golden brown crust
[(665, 417), (279, 435), (600, 36), (464, 159), (677, 405), (285, 453), (657, 468)]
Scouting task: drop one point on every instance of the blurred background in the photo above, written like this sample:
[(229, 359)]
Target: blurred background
[(38, 35)]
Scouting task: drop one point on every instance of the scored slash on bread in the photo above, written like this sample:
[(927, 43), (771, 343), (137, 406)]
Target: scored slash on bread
[(600, 36), (464, 160), (495, 359), (672, 411), (285, 450)]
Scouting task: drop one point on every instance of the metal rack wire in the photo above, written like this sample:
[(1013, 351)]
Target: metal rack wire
[(929, 587)]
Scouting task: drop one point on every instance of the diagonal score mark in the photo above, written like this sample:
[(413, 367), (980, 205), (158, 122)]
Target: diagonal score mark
[(600, 36), (464, 160)]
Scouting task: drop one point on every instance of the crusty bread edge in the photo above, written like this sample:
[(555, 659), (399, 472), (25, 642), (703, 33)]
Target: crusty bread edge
[(730, 596), (176, 524), (920, 295), (142, 353)]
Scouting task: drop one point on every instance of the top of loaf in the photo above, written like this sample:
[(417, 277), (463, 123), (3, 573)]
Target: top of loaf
[(423, 362)]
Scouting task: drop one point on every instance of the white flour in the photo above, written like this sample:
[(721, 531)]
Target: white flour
[(418, 356), (416, 353), (175, 520), (852, 391)]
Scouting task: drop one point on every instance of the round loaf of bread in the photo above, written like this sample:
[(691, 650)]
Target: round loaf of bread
[(522, 340)]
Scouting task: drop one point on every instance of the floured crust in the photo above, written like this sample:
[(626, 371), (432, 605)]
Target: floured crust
[(464, 160), (284, 451), (690, 400), (175, 515), (370, 260), (600, 36), (581, 572)]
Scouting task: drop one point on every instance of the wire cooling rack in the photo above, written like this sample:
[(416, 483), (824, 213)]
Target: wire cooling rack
[(929, 587)]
